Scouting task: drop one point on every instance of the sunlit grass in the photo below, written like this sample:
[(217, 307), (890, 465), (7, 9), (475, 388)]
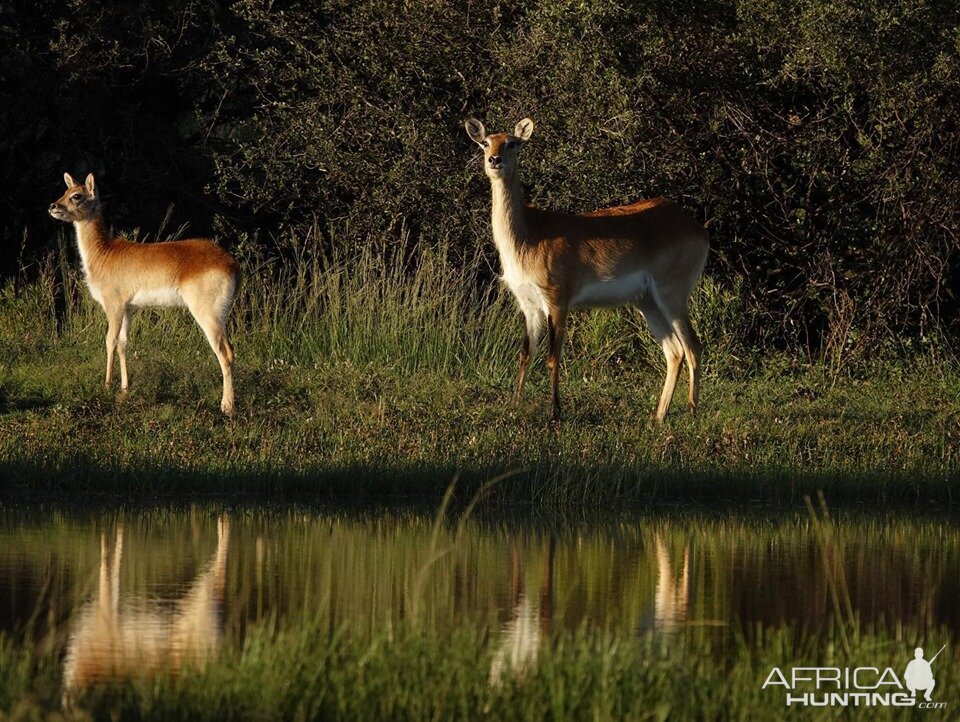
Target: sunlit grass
[(313, 672), (374, 372)]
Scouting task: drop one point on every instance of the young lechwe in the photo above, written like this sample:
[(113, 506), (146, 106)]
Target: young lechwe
[(120, 274), (649, 254)]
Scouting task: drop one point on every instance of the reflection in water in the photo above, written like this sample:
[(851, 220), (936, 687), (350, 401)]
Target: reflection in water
[(725, 574), (672, 595), (529, 623), (115, 637)]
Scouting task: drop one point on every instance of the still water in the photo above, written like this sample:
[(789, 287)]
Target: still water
[(115, 592)]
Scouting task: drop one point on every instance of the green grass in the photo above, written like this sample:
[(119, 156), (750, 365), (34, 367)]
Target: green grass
[(313, 672), (370, 373)]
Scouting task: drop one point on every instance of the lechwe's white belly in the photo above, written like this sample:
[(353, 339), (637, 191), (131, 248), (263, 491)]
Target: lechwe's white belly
[(157, 297), (613, 291)]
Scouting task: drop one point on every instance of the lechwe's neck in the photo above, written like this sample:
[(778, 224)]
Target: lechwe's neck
[(508, 215), (92, 239)]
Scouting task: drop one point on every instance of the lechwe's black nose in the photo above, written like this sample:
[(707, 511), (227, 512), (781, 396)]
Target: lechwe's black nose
[(53, 206), (494, 161)]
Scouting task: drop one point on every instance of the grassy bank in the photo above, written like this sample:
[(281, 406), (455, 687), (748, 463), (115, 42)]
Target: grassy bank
[(318, 673), (367, 373)]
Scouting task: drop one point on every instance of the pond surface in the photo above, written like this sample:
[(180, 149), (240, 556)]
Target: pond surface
[(116, 591)]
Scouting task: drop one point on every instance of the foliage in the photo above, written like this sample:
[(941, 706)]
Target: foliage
[(819, 138)]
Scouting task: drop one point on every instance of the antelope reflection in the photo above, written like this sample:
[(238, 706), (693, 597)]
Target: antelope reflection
[(672, 594), (113, 638), (530, 619)]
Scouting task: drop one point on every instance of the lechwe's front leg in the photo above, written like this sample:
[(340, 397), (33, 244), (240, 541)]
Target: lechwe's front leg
[(524, 363), (532, 331), (116, 326), (556, 328)]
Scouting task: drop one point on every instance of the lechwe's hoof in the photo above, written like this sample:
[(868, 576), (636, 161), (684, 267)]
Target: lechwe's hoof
[(227, 407)]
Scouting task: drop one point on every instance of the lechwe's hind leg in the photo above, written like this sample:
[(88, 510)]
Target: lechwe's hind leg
[(672, 350), (222, 347), (216, 332), (675, 309), (210, 305), (122, 348), (692, 350)]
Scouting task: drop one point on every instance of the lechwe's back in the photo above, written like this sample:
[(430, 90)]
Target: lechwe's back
[(196, 274)]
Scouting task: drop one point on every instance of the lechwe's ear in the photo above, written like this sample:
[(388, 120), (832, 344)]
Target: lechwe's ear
[(91, 184), (524, 129), (68, 179), (475, 130)]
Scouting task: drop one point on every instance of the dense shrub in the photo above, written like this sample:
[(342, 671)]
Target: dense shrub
[(819, 138)]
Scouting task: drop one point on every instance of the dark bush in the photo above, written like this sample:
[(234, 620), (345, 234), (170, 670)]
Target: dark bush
[(819, 138)]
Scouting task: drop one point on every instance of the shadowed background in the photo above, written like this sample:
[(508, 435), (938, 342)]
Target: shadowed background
[(819, 138)]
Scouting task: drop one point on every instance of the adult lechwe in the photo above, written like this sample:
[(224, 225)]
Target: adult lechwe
[(650, 254), (194, 273)]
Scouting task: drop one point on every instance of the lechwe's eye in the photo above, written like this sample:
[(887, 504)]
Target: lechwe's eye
[(76, 197), (486, 144)]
